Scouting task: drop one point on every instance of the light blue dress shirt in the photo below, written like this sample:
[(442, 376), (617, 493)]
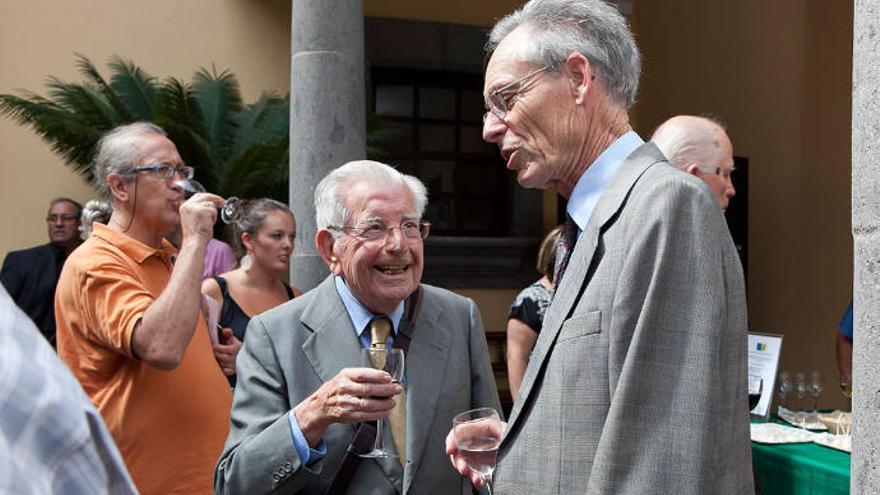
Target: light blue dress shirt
[(360, 319), (588, 190)]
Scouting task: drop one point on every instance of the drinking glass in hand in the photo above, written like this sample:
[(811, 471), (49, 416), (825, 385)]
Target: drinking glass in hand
[(846, 390), (477, 435), (756, 387), (817, 383), (390, 360), (229, 212)]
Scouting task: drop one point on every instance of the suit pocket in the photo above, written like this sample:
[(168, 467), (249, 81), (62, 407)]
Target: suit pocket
[(581, 325)]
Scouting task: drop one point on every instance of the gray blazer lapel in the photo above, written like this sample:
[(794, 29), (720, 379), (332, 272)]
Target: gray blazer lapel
[(427, 358), (575, 278), (332, 345)]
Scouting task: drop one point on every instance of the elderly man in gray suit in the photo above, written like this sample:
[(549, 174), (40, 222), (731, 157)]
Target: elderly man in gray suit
[(637, 383), (302, 389)]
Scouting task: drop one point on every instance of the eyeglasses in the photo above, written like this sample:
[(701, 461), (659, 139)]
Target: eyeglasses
[(63, 218), (411, 230), (725, 173), (164, 171), (497, 104)]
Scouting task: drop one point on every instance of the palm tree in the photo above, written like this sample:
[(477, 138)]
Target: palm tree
[(236, 149)]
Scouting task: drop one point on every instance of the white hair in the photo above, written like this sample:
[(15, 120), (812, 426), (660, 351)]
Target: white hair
[(330, 209), (95, 210), (688, 139), (114, 152), (592, 28)]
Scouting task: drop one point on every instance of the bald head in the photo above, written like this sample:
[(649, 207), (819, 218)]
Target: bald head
[(699, 146)]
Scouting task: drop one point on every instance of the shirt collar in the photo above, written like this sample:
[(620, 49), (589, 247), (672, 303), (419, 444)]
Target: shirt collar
[(361, 316), (589, 187), (132, 248)]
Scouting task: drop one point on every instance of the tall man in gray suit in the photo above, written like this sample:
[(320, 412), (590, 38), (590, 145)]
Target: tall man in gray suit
[(302, 389), (637, 383)]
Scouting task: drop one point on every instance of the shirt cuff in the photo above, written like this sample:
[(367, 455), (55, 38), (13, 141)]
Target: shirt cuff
[(306, 454)]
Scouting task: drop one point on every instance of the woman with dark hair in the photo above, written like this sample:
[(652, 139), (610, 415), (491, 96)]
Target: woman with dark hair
[(527, 313), (265, 233)]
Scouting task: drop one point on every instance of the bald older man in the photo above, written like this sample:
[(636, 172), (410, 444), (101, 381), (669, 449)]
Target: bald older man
[(699, 146)]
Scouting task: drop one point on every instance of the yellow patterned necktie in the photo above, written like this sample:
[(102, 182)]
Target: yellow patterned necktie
[(380, 328)]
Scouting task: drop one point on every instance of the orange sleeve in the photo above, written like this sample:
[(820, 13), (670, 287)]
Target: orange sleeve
[(114, 301)]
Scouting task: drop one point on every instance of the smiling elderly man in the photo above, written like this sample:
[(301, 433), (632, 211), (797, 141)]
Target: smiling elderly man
[(637, 383), (301, 385)]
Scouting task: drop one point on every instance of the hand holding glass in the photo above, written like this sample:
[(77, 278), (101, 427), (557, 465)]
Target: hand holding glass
[(477, 435), (390, 360), (229, 212)]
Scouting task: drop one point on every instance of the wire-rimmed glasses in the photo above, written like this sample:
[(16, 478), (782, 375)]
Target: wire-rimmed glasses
[(497, 103), (377, 231)]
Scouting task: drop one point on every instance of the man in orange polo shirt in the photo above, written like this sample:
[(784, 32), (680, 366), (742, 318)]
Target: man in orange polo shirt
[(129, 322)]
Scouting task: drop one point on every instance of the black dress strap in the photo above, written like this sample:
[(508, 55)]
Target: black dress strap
[(289, 290)]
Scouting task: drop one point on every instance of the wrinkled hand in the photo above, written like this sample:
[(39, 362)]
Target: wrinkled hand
[(226, 352), (353, 395), (198, 214), (458, 463)]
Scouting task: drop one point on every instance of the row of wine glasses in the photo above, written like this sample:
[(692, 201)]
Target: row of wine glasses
[(799, 385)]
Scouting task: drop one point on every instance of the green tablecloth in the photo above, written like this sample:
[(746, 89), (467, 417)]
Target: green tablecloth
[(800, 469)]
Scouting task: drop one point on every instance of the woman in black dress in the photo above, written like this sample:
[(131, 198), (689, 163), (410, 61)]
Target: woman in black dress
[(265, 233)]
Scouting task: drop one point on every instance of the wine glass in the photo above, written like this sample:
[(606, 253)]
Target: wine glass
[(800, 390), (390, 360), (477, 435), (817, 383), (783, 388), (229, 212), (756, 387)]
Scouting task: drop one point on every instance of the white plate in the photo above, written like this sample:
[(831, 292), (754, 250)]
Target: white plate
[(777, 433), (839, 442), (811, 420)]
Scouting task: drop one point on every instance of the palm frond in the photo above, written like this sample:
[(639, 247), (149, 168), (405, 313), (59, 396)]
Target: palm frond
[(84, 101), (265, 121), (260, 170), (68, 134), (136, 89), (219, 98), (88, 69)]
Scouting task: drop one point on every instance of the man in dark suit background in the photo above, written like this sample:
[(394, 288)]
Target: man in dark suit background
[(30, 275), (637, 383), (302, 385)]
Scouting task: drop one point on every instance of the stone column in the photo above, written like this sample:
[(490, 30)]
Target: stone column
[(327, 120), (866, 226)]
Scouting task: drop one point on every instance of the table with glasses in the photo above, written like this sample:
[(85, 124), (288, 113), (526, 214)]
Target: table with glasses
[(800, 469)]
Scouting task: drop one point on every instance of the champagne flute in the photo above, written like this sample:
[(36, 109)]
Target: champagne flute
[(390, 360), (229, 212), (477, 435)]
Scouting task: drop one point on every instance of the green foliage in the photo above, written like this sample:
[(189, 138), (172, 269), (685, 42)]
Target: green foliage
[(236, 149)]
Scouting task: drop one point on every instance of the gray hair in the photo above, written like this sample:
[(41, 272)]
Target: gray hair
[(592, 28), (95, 210), (114, 152), (688, 139), (330, 208), (254, 213)]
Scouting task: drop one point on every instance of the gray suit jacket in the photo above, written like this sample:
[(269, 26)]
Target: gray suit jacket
[(291, 350), (637, 383)]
